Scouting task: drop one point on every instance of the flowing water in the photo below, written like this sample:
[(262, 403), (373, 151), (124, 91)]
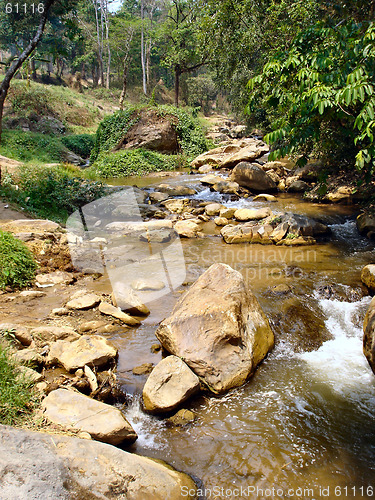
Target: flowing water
[(304, 425)]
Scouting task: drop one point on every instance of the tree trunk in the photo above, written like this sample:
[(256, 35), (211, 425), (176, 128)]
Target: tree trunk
[(143, 55), (15, 66), (124, 84), (177, 73)]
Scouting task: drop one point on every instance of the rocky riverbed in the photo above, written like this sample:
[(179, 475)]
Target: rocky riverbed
[(260, 267)]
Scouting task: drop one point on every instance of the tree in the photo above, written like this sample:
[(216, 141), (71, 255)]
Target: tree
[(321, 94), (18, 61), (179, 41)]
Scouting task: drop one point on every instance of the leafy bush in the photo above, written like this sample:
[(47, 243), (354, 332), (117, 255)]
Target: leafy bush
[(320, 94), (32, 146), (113, 128), (135, 162), (80, 144), (17, 265), (52, 193), (17, 399)]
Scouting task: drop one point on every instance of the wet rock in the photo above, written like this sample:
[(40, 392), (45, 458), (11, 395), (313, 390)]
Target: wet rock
[(305, 226), (246, 214), (67, 467), (157, 196), (171, 383), (78, 412), (279, 290), (176, 206), (144, 285), (228, 213), (91, 350), (237, 234), (213, 208), (211, 179), (29, 357), (187, 228), (265, 197), (181, 418), (157, 235), (127, 300), (31, 294), (366, 224), (251, 176), (340, 195), (144, 369), (171, 190), (368, 276), (84, 302), (115, 312), (369, 335), (221, 221), (247, 154), (60, 311), (226, 187), (204, 169), (279, 232), (54, 278), (298, 187), (90, 326), (297, 241), (155, 348), (219, 329), (52, 333)]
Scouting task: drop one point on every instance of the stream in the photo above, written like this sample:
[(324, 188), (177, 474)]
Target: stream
[(304, 425)]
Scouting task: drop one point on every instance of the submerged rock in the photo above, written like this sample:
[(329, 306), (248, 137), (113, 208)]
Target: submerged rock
[(171, 383), (76, 411), (219, 329), (64, 467), (181, 418)]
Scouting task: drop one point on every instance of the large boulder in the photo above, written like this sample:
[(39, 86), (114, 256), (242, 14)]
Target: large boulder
[(91, 350), (187, 228), (245, 214), (171, 190), (38, 465), (171, 383), (369, 335), (75, 411), (366, 224), (151, 131), (251, 176), (219, 329), (249, 153)]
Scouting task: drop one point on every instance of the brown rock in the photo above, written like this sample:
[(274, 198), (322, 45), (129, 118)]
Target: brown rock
[(251, 176), (115, 312), (171, 383), (368, 276), (219, 329)]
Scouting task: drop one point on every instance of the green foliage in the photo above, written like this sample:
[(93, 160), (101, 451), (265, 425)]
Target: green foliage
[(81, 144), (135, 162), (320, 95), (129, 162), (17, 398), (31, 146), (112, 129), (17, 265), (52, 192)]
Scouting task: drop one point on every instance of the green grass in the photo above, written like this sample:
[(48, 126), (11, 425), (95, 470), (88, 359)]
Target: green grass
[(17, 264), (32, 147), (17, 397), (51, 192), (134, 162)]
